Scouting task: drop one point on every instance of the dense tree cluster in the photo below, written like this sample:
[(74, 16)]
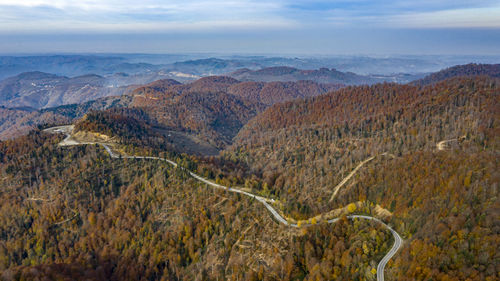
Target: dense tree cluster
[(447, 206), (444, 201), (215, 108), (77, 213), (303, 148), (120, 122)]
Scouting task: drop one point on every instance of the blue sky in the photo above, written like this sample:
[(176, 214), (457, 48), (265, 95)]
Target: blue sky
[(251, 26)]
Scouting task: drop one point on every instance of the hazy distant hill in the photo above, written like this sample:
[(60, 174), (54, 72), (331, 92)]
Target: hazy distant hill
[(126, 69), (42, 90), (71, 65), (211, 66), (472, 69), (285, 74), (15, 122)]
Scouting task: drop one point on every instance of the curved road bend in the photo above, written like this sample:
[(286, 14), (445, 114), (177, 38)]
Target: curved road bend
[(398, 241)]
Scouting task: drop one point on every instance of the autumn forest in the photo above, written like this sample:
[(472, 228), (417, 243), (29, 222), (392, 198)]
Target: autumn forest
[(422, 158)]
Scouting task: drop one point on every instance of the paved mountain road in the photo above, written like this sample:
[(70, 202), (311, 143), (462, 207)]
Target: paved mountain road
[(398, 241)]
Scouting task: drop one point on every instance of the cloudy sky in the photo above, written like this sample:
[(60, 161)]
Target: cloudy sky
[(251, 26)]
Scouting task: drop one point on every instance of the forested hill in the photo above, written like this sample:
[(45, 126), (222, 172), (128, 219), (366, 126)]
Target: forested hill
[(428, 155), (345, 127), (261, 92), (273, 92), (351, 105), (472, 69), (285, 74), (74, 213)]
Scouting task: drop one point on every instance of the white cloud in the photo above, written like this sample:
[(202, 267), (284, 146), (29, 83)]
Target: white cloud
[(134, 5), (459, 18), (488, 17), (111, 15), (174, 26), (154, 15)]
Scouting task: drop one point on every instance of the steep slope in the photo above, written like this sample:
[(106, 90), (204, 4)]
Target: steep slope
[(385, 136), (286, 74), (472, 69), (43, 90), (208, 120), (352, 124)]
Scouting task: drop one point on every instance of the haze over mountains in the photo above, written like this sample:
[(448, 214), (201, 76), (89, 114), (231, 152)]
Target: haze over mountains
[(48, 81), (42, 90), (200, 65)]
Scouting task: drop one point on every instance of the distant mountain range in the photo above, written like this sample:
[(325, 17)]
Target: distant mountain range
[(285, 73), (42, 90), (184, 67), (253, 71)]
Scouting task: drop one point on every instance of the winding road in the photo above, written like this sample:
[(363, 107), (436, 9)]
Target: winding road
[(398, 241)]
